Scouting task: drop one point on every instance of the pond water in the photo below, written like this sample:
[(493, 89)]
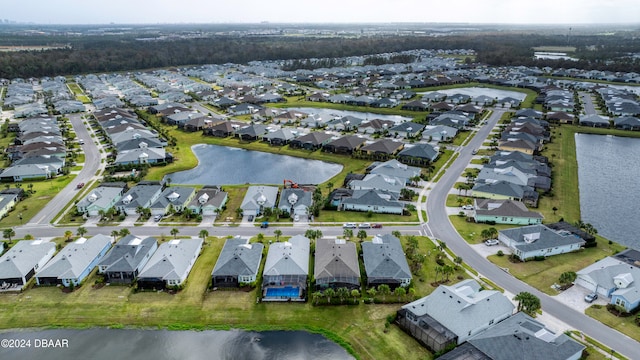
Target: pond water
[(477, 91), (553, 55), (608, 172), (331, 113), (110, 344), (218, 165)]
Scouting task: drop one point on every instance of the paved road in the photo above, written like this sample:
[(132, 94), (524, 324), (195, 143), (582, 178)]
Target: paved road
[(440, 227), (91, 165), (587, 103)]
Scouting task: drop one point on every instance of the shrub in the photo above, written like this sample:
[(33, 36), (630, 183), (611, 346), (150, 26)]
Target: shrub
[(500, 253), (539, 258)]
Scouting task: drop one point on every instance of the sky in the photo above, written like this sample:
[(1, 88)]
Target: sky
[(321, 11)]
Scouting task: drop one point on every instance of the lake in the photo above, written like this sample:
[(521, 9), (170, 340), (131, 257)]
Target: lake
[(477, 91), (608, 172), (218, 165), (110, 344)]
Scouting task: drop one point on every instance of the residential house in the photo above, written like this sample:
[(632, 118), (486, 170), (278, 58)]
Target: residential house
[(252, 132), (174, 197), (280, 137), (345, 123), (142, 195), (378, 182), (439, 133), (375, 126), (383, 148), (208, 201), (394, 168), (344, 145), (127, 257), (311, 141), (503, 190), (99, 199), (615, 278), (418, 154), (237, 264), (452, 314), (258, 198), (532, 241), (385, 262), (170, 265), (627, 123), (336, 264), (594, 120), (22, 261), (27, 172), (221, 129), (295, 202), (376, 201), (517, 337), (504, 212), (286, 270), (8, 201), (521, 145), (457, 121), (406, 129), (143, 155), (74, 262)]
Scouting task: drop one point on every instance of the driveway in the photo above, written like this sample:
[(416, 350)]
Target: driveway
[(207, 221), (485, 250), (129, 221), (574, 298)]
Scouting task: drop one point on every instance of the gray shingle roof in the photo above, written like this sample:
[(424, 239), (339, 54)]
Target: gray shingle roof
[(510, 208), (23, 256), (537, 237), (172, 260), (384, 258), (288, 258), (335, 259), (521, 337), (74, 258), (238, 257), (128, 253)]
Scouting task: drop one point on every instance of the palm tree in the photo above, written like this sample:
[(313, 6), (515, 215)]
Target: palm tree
[(348, 233), (277, 233), (115, 234), (239, 213), (9, 233), (329, 293), (342, 293), (67, 234), (356, 294), (439, 270), (124, 232), (174, 232), (316, 297), (400, 292), (329, 185), (28, 237), (372, 292), (396, 233), (81, 231), (527, 303), (362, 235), (493, 232), (310, 234), (260, 237), (446, 271), (567, 277), (384, 290), (203, 234)]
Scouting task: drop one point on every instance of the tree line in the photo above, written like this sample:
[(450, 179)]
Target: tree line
[(96, 55)]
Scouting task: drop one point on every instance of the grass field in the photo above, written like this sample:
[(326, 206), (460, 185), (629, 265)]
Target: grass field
[(623, 324)]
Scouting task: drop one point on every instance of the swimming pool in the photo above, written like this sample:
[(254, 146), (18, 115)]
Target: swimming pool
[(284, 292)]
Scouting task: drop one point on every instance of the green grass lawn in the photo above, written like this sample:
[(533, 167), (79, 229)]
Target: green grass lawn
[(623, 324), (45, 190), (357, 216), (543, 274), (470, 231)]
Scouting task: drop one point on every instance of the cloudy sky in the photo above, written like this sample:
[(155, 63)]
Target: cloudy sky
[(322, 11)]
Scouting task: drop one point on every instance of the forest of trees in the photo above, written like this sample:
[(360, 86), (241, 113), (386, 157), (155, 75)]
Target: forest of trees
[(100, 54)]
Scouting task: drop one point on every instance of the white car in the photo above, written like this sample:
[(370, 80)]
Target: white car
[(467, 207), (296, 218), (491, 242), (349, 226), (365, 226)]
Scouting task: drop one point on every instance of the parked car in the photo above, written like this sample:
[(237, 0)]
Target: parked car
[(376, 226), (475, 151), (296, 218), (349, 226), (157, 218), (364, 226), (591, 297), (467, 207), (264, 225), (80, 186), (250, 218), (491, 242)]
